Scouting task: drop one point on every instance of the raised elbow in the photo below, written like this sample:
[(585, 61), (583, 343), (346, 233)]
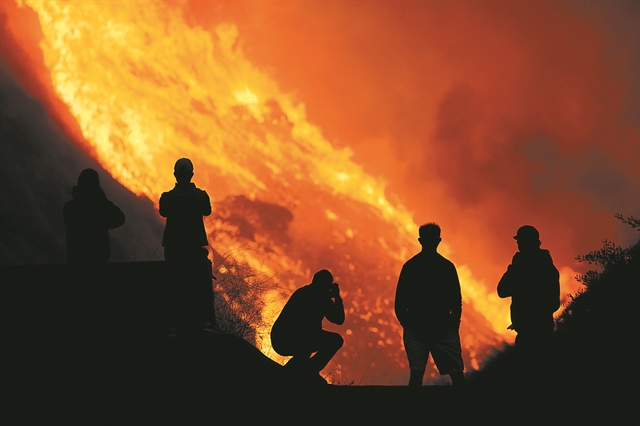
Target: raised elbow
[(502, 293)]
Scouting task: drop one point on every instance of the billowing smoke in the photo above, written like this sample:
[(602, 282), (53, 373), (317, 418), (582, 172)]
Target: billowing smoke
[(482, 116)]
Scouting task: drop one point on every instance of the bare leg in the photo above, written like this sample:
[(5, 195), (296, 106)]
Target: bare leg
[(457, 378), (415, 380)]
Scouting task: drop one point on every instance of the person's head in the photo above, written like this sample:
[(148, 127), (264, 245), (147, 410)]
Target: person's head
[(322, 278), (88, 179), (528, 238), (429, 236), (183, 170)]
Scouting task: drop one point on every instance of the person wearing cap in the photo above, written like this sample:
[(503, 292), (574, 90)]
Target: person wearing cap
[(428, 305), (298, 332), (88, 218), (533, 283), (184, 241)]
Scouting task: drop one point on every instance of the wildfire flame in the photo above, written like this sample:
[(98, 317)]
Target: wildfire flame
[(147, 88)]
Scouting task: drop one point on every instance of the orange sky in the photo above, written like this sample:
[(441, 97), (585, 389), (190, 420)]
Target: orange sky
[(482, 116)]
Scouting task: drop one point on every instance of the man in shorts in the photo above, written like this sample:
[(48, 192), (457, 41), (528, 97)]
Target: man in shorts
[(429, 306)]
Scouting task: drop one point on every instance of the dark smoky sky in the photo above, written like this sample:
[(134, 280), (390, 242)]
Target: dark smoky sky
[(481, 116)]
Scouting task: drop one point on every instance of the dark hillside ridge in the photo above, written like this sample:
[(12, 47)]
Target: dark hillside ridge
[(126, 298), (80, 351), (83, 347)]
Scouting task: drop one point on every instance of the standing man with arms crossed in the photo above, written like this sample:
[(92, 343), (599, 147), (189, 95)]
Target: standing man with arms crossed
[(183, 240), (429, 307)]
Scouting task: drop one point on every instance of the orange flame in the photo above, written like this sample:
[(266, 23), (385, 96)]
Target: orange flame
[(146, 88)]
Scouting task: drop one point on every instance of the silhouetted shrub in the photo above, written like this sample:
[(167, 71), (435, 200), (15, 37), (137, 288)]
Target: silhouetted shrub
[(595, 343), (239, 297), (596, 331), (609, 301)]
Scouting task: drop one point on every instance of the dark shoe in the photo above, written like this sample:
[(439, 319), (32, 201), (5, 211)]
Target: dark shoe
[(318, 380)]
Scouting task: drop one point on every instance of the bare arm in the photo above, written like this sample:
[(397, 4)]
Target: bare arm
[(164, 206), (206, 204), (400, 304), (456, 308), (335, 313), (553, 289)]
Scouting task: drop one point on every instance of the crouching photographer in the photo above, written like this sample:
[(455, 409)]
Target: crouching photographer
[(298, 330)]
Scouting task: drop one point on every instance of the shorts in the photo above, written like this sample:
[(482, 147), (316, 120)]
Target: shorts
[(444, 347)]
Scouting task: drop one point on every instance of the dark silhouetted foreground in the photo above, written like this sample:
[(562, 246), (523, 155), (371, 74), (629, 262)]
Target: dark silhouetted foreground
[(298, 332), (428, 304), (183, 240), (533, 283), (88, 217), (79, 354)]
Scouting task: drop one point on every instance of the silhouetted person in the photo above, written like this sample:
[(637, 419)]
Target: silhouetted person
[(183, 240), (88, 218), (533, 283), (429, 306), (298, 330)]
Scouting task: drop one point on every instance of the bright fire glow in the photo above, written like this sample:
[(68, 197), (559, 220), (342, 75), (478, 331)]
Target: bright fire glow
[(146, 88)]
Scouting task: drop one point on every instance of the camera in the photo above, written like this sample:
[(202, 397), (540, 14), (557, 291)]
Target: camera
[(334, 290)]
